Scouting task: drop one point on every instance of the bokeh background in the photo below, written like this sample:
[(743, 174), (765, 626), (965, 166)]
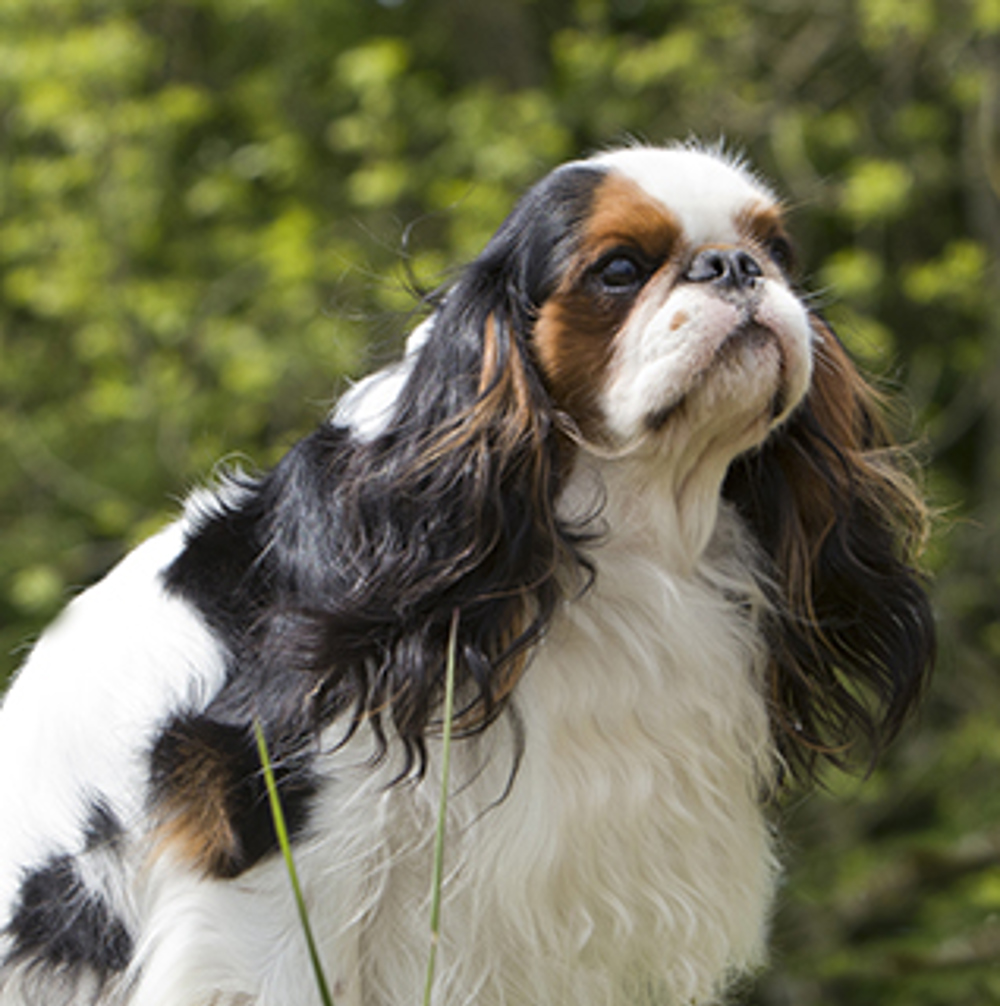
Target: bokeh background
[(214, 212)]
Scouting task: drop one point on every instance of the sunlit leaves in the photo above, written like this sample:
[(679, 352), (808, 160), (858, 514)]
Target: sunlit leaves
[(885, 22), (957, 275), (986, 14), (877, 190), (854, 273)]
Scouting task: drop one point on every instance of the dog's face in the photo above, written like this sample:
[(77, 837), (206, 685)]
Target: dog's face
[(672, 314), (650, 288)]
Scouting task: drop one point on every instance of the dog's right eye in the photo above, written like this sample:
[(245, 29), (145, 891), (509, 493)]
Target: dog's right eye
[(621, 273)]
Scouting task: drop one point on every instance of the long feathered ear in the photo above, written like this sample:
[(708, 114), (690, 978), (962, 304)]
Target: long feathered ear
[(450, 507), (853, 636), (453, 509)]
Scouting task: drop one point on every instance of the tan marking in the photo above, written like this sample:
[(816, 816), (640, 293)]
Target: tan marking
[(576, 328), (848, 410), (503, 409), (623, 213), (195, 815), (762, 223), (201, 834), (573, 344)]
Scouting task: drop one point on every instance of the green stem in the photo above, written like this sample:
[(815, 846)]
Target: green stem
[(281, 831), (438, 873)]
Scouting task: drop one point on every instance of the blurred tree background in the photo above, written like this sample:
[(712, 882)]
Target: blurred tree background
[(209, 214)]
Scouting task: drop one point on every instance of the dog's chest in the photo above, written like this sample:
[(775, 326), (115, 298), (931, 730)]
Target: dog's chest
[(631, 837)]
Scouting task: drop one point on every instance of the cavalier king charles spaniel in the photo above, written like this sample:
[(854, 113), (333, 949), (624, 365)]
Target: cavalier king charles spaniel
[(642, 476)]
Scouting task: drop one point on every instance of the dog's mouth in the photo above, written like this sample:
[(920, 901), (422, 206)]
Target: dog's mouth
[(749, 337)]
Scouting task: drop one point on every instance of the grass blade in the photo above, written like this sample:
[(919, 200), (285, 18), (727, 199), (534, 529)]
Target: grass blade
[(438, 872), (281, 830)]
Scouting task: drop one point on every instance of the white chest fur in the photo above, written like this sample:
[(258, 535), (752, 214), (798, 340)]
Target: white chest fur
[(631, 860)]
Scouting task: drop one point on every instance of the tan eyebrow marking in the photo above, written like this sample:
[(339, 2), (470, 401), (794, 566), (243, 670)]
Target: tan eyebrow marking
[(762, 222), (623, 213)]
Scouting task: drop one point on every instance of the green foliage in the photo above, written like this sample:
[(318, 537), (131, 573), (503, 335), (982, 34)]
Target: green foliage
[(210, 214), (441, 830)]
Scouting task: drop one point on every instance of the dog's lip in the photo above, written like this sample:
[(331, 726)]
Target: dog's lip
[(748, 332)]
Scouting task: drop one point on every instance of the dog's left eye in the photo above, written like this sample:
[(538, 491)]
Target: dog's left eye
[(620, 273), (782, 254)]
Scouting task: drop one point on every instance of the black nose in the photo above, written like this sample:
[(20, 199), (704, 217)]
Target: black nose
[(725, 267)]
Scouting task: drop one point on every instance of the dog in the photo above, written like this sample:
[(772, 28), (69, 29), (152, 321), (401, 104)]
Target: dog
[(634, 481)]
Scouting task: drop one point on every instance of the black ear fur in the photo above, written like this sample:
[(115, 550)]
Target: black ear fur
[(452, 506), (334, 578), (853, 637)]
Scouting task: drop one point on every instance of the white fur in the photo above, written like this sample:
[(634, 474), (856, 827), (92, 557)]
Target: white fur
[(670, 343), (631, 861), (700, 186), (630, 858), (674, 333), (86, 704), (81, 716), (367, 406)]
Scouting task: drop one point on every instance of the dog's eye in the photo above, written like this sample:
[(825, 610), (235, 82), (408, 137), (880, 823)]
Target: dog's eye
[(782, 254), (621, 273)]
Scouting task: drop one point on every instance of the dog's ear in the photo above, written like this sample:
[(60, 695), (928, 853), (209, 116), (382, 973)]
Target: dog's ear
[(334, 579), (830, 501), (449, 507), (454, 510)]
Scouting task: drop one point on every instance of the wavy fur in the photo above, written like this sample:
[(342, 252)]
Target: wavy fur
[(853, 635)]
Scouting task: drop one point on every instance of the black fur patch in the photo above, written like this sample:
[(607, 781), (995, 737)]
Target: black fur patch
[(207, 780), (217, 571), (59, 921)]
